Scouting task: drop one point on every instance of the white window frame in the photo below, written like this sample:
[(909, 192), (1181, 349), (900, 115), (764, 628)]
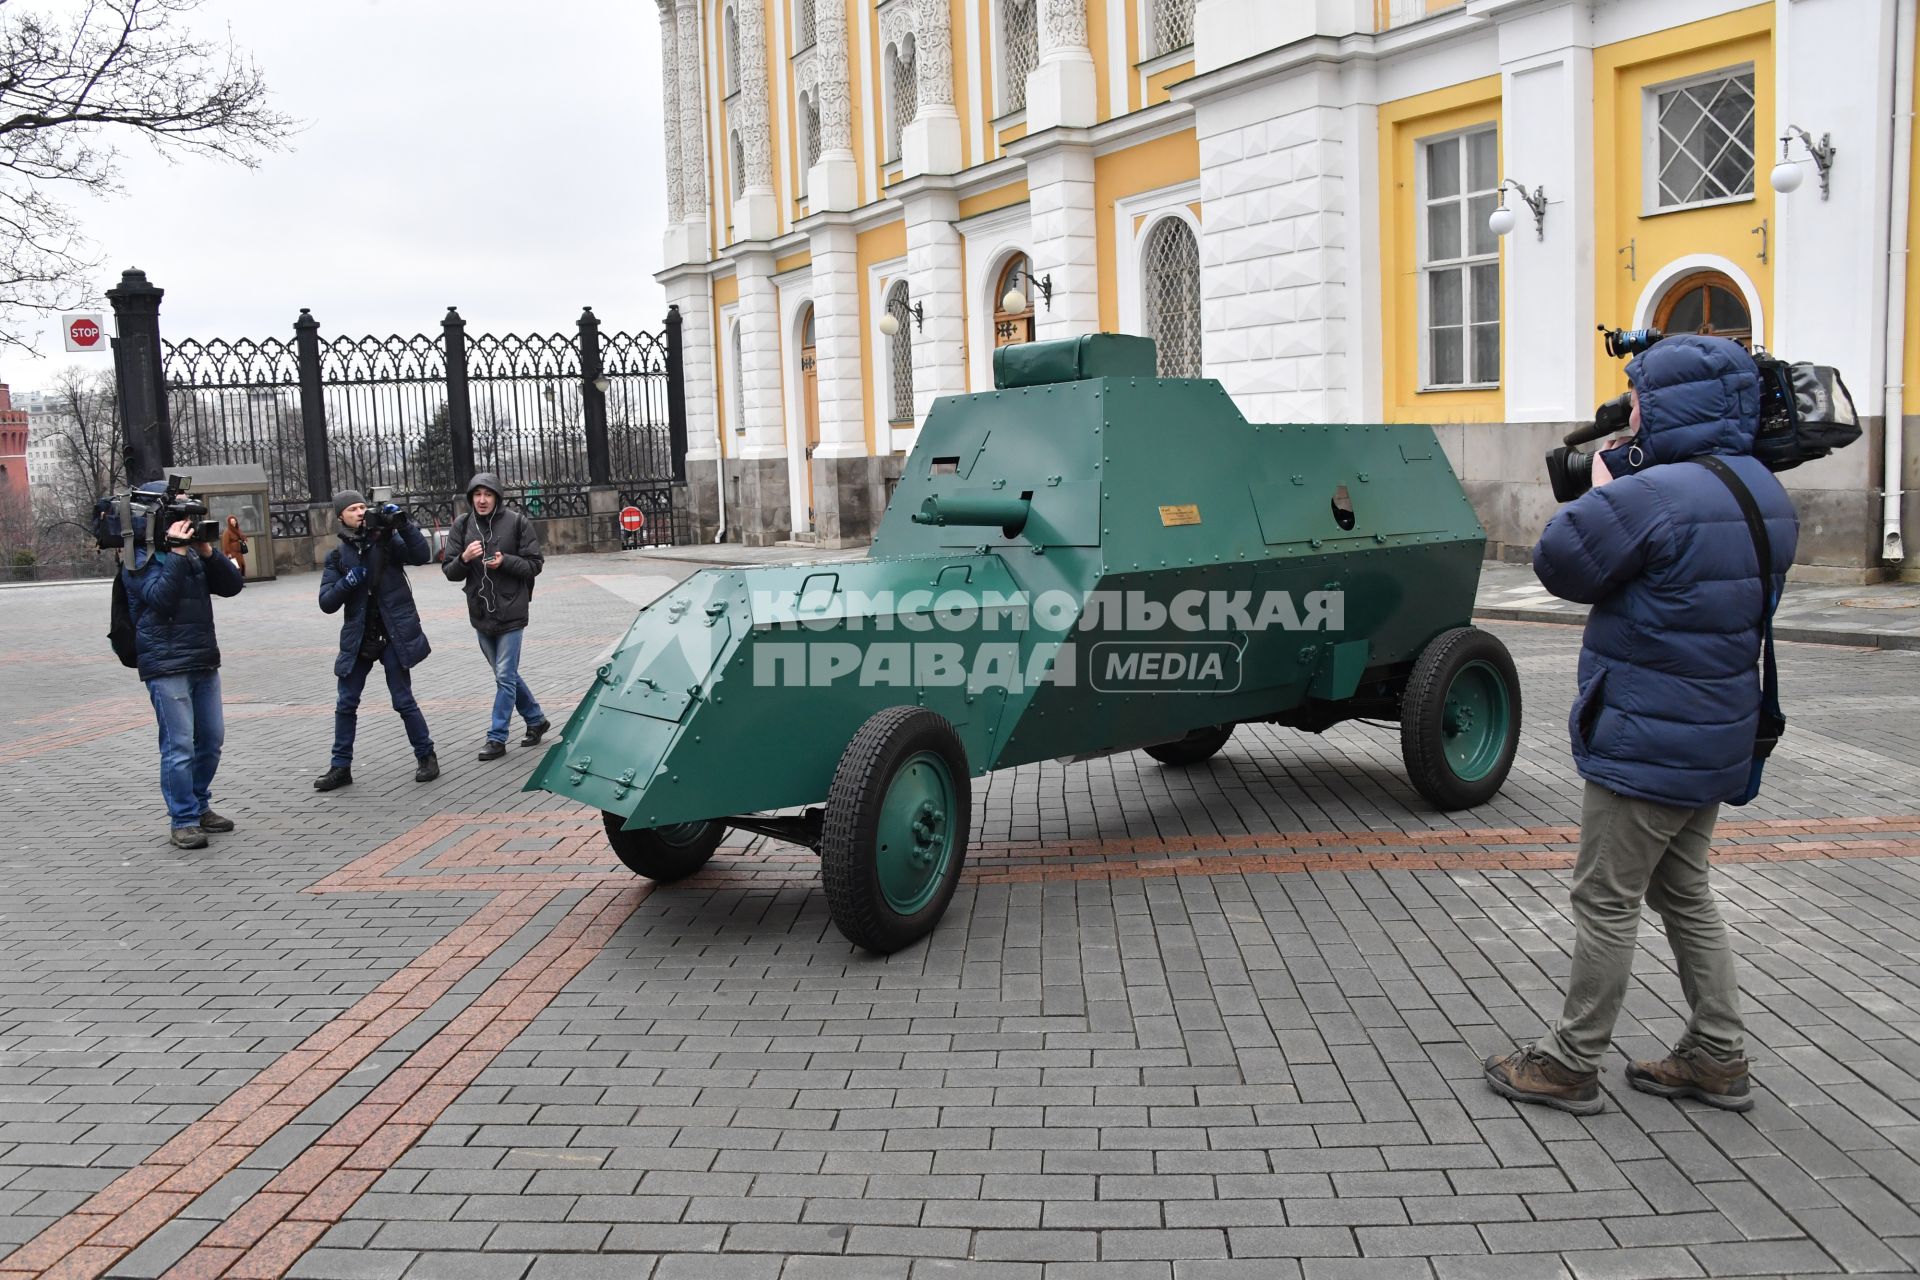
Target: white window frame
[(729, 51), (1150, 50), (1650, 206), (1466, 264), (736, 412)]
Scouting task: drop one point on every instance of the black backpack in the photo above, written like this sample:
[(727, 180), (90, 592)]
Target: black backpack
[(120, 624), (1806, 412)]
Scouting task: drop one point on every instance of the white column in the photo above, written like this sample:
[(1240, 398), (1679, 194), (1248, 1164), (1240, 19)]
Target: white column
[(836, 340), (754, 211), (691, 291), (1060, 198), (1060, 88), (937, 283), (669, 108), (759, 319), (1227, 31), (1546, 142), (688, 241), (931, 141), (833, 184)]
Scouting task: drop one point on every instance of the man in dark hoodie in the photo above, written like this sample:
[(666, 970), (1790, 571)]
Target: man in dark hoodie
[(1663, 724), (366, 576), (495, 554)]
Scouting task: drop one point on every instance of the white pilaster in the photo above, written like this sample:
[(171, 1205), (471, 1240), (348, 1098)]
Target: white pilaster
[(760, 401), (938, 285), (688, 240), (836, 338), (1061, 86), (1060, 199), (1227, 31), (755, 216), (692, 292), (833, 183), (931, 141)]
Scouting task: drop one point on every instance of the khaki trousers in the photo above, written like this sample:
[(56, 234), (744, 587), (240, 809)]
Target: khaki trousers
[(1633, 851)]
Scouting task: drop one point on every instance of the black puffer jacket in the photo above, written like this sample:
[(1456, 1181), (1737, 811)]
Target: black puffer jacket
[(170, 597), (383, 558), (498, 599)]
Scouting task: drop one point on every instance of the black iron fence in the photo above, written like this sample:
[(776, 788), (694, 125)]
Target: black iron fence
[(553, 416)]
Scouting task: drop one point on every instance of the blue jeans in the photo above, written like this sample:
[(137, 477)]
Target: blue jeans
[(399, 686), (510, 692), (192, 730)]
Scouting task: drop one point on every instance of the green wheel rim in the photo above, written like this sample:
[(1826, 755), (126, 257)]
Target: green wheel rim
[(681, 833), (1475, 721), (914, 844)]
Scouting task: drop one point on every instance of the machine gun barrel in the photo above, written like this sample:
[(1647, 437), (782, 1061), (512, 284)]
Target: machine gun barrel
[(1008, 510)]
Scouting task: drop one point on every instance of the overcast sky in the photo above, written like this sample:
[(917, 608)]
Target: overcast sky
[(498, 155)]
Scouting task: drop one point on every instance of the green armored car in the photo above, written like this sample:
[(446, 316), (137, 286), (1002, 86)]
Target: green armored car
[(1086, 559)]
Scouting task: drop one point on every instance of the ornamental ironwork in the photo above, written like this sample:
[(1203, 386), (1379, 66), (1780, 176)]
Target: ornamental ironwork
[(1171, 279), (1172, 25), (900, 356), (1019, 50)]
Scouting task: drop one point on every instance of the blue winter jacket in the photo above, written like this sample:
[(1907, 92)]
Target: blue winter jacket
[(1669, 687), (400, 547), (171, 599)]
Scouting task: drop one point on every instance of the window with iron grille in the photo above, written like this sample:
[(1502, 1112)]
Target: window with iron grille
[(903, 95), (1019, 51), (1172, 24), (809, 137), (1701, 145), (803, 20), (739, 166), (739, 387), (1459, 260), (730, 40), (900, 357), (1170, 279)]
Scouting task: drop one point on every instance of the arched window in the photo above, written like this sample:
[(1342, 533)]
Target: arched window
[(1019, 52), (1705, 302), (739, 165), (1170, 288), (738, 387), (900, 357), (730, 48), (804, 21), (903, 94), (1172, 24), (809, 137), (1010, 327)]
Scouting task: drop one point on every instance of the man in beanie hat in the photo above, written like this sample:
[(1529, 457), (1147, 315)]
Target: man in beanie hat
[(498, 558), (366, 576)]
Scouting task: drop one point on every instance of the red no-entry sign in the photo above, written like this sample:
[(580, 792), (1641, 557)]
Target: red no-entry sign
[(632, 519)]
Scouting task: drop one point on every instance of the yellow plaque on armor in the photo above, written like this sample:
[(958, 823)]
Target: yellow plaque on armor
[(1185, 513)]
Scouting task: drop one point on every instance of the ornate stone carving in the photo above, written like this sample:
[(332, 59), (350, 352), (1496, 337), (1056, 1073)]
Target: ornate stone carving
[(750, 109), (1063, 25), (693, 142), (669, 98), (833, 76), (898, 20), (935, 53)]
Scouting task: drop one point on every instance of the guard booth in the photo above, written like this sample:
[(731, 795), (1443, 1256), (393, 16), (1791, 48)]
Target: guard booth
[(240, 490)]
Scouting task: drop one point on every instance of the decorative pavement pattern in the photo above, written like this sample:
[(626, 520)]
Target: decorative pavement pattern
[(1218, 1022)]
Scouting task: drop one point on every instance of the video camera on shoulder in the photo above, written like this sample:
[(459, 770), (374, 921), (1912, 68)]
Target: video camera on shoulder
[(143, 516), (378, 519)]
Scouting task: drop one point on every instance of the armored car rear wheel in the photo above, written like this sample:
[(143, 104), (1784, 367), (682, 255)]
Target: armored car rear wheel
[(664, 854), (1199, 745), (1460, 718), (894, 835)]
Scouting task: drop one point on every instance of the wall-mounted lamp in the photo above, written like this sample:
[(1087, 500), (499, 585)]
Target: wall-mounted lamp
[(1015, 302), (890, 323), (1501, 220), (1787, 175)]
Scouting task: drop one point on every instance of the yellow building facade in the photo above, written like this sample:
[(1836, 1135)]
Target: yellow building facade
[(866, 197)]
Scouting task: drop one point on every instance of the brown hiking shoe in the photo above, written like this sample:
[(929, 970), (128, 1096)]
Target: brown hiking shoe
[(1692, 1072), (1527, 1075)]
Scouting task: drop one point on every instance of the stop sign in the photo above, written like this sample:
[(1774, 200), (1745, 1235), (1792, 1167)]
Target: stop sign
[(632, 519), (83, 333)]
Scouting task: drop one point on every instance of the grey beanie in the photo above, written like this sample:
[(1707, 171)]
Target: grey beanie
[(347, 498)]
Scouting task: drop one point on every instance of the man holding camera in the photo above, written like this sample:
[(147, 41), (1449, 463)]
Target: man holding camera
[(366, 576), (170, 594), (1664, 723), (497, 560)]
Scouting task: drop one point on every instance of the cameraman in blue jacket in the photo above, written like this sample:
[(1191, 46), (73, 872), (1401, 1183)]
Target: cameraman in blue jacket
[(366, 576), (1663, 725), (170, 594)]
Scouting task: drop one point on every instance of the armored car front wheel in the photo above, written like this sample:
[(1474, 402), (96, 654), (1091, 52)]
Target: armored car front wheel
[(1199, 745), (664, 854), (1460, 718), (894, 835)]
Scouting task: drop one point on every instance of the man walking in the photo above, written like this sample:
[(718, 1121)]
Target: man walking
[(366, 576), (1663, 724), (498, 558), (170, 596)]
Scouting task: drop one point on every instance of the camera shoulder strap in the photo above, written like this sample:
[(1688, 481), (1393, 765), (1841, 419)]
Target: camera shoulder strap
[(1763, 551)]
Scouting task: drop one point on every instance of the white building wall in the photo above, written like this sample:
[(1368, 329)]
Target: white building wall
[(760, 408), (1060, 201), (935, 279), (691, 291), (836, 318)]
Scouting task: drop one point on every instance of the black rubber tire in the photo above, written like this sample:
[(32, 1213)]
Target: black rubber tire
[(1197, 746), (649, 852), (1423, 710), (849, 866)]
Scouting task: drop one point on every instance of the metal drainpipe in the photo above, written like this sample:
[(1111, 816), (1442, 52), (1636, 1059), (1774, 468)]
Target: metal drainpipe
[(720, 471), (1893, 432)]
